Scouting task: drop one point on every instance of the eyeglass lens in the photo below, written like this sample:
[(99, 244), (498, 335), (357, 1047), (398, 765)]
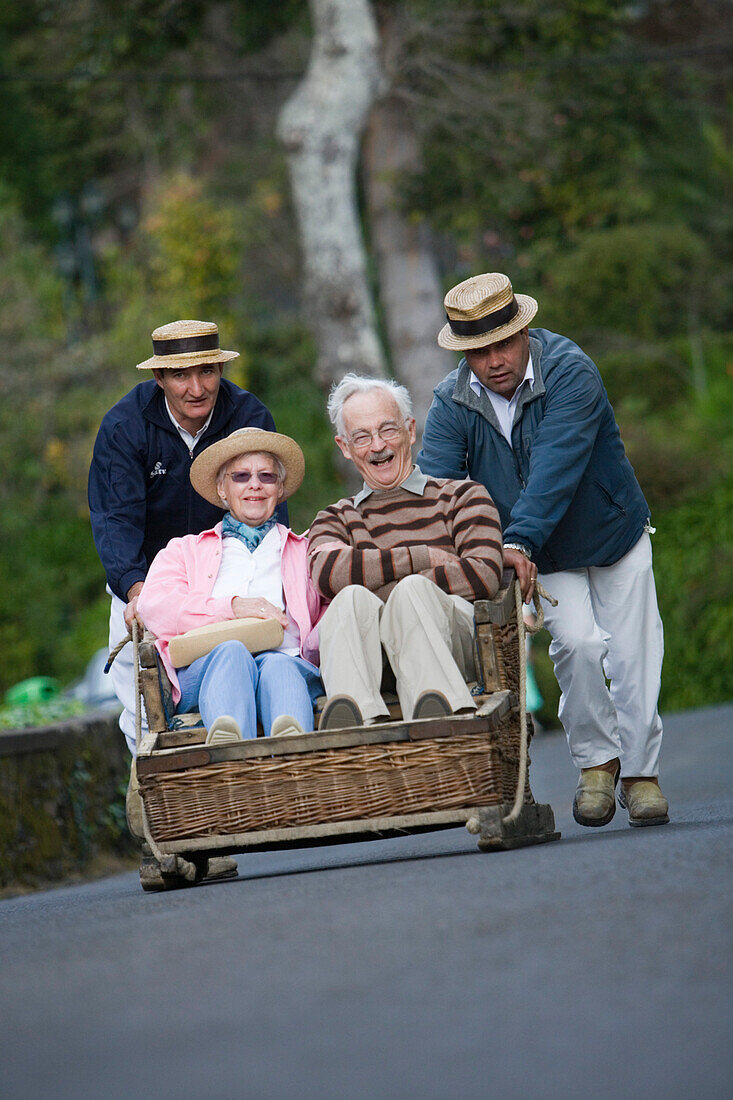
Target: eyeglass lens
[(243, 477), (387, 432)]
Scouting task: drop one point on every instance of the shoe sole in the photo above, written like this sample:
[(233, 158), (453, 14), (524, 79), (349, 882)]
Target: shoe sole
[(340, 713), (287, 731), (593, 822), (641, 822), (224, 731), (222, 737), (432, 704)]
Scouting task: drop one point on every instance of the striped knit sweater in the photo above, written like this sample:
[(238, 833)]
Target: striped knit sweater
[(390, 535)]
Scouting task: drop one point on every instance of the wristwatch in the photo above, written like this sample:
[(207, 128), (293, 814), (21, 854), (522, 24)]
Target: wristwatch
[(519, 547)]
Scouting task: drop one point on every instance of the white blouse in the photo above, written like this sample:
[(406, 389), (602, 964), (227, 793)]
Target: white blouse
[(250, 573)]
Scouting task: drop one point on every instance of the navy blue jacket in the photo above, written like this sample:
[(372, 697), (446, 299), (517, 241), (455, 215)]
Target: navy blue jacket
[(140, 496), (564, 488)]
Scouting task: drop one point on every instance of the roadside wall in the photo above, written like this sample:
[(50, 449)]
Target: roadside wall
[(62, 798)]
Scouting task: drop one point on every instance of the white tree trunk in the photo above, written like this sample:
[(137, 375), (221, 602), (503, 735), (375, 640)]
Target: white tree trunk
[(409, 284), (320, 127)]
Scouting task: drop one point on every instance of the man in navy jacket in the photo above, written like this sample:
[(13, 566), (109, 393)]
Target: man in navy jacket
[(140, 495), (526, 414)]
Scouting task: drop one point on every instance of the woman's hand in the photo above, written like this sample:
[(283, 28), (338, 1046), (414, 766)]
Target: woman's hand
[(257, 607)]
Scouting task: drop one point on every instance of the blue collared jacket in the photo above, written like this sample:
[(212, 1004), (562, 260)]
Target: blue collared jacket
[(564, 489), (140, 495)]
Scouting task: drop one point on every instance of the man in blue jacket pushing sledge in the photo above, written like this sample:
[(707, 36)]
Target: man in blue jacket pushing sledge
[(526, 414)]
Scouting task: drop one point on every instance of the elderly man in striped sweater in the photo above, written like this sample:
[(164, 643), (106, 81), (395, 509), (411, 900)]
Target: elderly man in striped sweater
[(401, 562)]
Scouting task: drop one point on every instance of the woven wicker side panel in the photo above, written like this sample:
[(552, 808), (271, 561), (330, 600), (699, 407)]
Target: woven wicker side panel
[(507, 645), (334, 785), (509, 757)]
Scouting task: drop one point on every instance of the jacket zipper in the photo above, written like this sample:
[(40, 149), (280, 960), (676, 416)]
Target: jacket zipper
[(517, 467)]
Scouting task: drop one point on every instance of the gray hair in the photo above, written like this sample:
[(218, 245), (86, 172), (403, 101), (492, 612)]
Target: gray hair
[(358, 383), (277, 463)]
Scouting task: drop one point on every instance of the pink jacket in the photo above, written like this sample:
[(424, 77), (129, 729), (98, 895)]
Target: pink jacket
[(176, 596)]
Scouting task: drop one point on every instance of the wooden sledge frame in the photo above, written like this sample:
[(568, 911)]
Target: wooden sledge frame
[(162, 751)]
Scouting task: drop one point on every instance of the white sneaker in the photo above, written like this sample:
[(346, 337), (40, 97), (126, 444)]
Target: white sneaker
[(285, 725), (224, 731)]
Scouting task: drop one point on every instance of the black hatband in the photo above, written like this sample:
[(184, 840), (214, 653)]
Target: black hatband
[(186, 344), (485, 324)]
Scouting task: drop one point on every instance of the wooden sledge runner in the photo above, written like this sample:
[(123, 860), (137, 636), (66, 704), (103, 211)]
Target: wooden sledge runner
[(369, 782)]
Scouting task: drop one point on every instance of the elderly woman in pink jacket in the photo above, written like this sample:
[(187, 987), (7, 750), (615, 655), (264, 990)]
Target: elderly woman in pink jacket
[(248, 566)]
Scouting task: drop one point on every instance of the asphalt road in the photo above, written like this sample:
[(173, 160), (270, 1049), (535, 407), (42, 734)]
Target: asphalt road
[(413, 968)]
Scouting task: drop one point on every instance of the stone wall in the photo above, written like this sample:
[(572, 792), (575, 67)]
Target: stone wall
[(62, 799)]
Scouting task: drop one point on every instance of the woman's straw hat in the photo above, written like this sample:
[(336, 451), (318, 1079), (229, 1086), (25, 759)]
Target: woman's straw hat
[(245, 441), (186, 344), (483, 310)]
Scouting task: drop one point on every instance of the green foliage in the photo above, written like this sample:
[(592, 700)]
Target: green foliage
[(42, 529), (82, 124), (693, 566), (258, 24), (566, 129), (39, 714), (62, 812), (192, 247), (184, 261), (546, 682), (650, 280)]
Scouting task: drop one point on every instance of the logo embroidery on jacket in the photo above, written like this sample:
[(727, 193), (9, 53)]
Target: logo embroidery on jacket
[(158, 469)]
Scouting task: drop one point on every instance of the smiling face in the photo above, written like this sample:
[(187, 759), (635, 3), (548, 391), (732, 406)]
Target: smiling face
[(501, 366), (191, 392), (254, 502), (383, 463)]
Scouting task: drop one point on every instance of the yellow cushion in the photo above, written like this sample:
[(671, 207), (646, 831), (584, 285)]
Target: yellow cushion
[(255, 634)]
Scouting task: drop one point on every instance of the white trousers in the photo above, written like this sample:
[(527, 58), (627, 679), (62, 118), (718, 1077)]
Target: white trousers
[(122, 673), (606, 626), (426, 635)]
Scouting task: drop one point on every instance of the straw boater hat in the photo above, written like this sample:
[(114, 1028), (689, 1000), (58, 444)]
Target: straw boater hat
[(246, 441), (186, 344), (484, 310)]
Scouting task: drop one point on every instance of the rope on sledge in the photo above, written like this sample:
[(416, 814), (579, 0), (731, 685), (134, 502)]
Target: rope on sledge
[(522, 631)]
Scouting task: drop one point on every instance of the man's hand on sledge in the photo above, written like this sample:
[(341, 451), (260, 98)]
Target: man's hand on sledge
[(525, 569)]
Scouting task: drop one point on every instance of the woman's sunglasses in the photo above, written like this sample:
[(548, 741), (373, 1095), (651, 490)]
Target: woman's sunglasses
[(243, 477)]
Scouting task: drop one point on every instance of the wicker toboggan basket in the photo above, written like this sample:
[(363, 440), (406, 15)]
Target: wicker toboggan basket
[(345, 784), (377, 772)]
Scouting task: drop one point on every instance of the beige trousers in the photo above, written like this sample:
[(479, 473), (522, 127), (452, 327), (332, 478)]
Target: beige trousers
[(426, 634)]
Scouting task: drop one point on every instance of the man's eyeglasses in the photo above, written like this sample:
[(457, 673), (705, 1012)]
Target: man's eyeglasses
[(388, 433), (243, 477)]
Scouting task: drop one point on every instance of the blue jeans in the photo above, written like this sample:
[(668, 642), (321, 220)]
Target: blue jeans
[(229, 680)]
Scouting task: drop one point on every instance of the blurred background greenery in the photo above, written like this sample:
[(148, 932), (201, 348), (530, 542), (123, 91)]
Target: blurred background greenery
[(584, 147)]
